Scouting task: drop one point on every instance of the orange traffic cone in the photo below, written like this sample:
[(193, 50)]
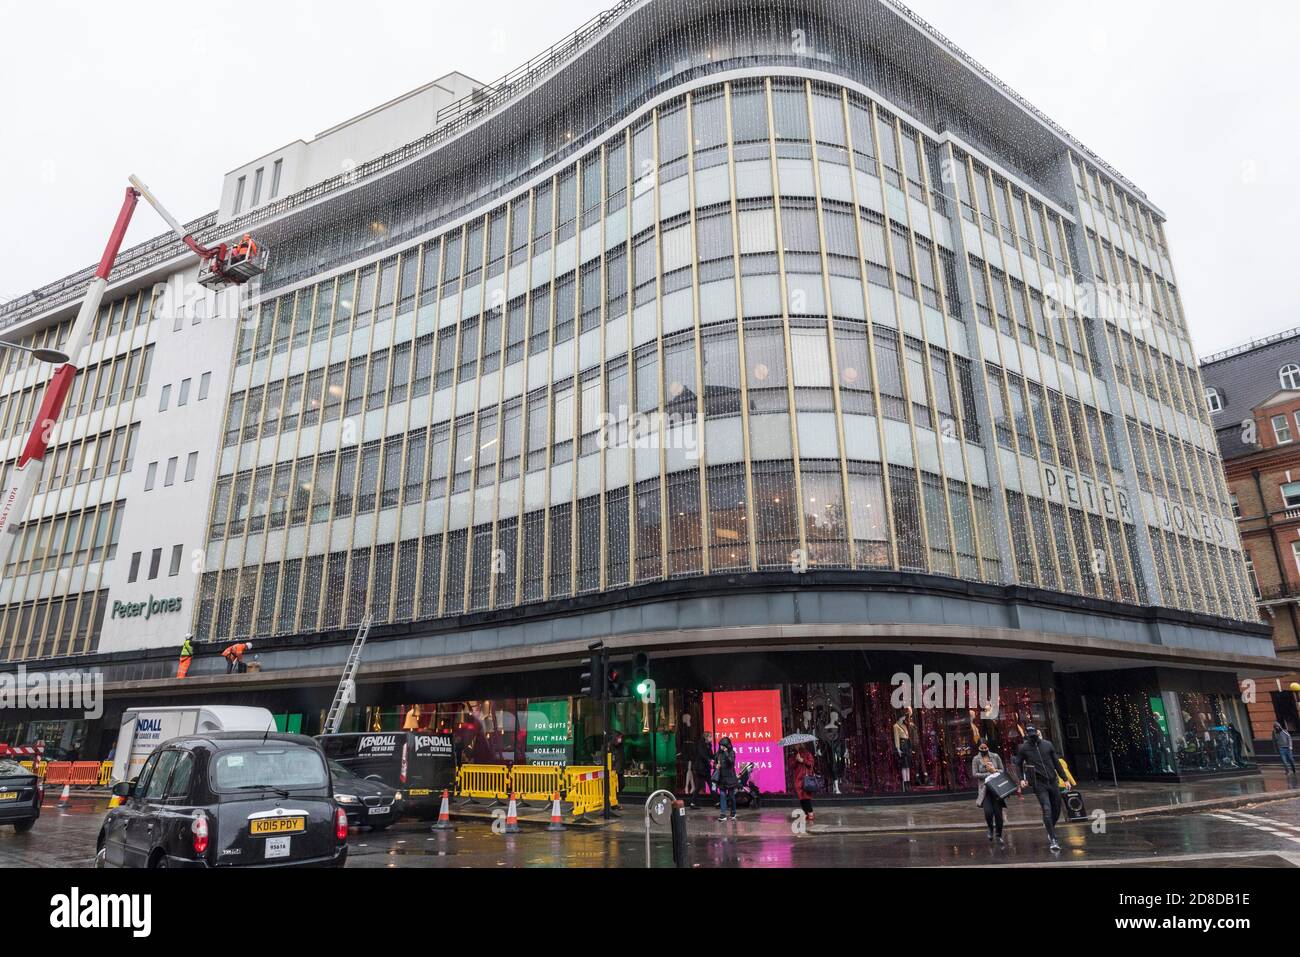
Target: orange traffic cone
[(512, 816), (66, 797), (444, 814), (557, 816)]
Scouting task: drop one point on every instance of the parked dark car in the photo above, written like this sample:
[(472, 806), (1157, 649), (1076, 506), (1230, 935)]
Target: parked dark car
[(20, 796), (368, 803), (227, 799), (417, 763)]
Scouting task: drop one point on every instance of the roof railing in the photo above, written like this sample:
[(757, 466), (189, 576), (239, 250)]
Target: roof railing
[(454, 119), (1251, 346)]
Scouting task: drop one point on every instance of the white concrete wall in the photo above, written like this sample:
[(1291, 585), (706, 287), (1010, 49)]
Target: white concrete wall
[(175, 515), (345, 146)]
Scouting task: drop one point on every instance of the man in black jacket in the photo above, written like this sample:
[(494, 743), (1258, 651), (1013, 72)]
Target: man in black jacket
[(1037, 764)]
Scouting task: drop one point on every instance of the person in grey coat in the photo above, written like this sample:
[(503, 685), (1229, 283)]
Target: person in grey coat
[(1282, 741), (982, 766)]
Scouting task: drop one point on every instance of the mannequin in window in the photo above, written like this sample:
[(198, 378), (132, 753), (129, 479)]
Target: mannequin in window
[(832, 747), (903, 749), (412, 721)]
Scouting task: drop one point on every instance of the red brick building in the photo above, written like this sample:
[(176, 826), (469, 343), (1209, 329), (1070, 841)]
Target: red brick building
[(1253, 393)]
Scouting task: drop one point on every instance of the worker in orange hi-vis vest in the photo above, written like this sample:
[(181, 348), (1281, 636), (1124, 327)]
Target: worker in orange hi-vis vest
[(187, 656), (234, 656), (246, 248)]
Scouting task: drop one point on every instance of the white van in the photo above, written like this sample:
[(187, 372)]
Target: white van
[(143, 729)]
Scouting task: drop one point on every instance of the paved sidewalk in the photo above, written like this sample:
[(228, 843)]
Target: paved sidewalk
[(1129, 801)]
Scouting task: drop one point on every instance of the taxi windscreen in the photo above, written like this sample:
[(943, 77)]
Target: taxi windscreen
[(268, 767)]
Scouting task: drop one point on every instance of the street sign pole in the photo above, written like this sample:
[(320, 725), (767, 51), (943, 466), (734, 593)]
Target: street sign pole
[(604, 717)]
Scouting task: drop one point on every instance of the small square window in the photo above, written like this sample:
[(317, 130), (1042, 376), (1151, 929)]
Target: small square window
[(150, 476), (1281, 429), (164, 398), (191, 466), (134, 573), (1291, 494), (204, 381), (155, 561)]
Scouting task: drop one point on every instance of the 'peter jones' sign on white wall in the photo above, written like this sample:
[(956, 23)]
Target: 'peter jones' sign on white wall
[(146, 609)]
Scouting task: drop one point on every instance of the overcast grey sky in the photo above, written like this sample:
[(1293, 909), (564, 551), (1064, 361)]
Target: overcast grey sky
[(1194, 101)]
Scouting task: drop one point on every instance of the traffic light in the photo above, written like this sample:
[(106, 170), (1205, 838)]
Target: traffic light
[(616, 681), (593, 673), (641, 682)]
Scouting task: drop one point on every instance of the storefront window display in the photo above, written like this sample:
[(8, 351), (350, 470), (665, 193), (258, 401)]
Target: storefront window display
[(1172, 732), (861, 741), (58, 738), (1205, 729)]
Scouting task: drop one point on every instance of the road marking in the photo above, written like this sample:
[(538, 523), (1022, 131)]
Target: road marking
[(1291, 832)]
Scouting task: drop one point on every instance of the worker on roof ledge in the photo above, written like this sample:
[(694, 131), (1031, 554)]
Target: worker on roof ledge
[(234, 655)]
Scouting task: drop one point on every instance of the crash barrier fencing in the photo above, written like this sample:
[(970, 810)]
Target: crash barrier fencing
[(581, 785), (585, 788), (536, 782), (483, 781), (75, 773)]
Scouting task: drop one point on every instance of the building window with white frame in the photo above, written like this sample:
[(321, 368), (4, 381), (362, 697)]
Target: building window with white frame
[(1289, 376), (1281, 429), (1213, 400), (1254, 580), (1291, 494)]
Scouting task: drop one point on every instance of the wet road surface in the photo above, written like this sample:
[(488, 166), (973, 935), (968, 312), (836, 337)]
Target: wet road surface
[(1264, 835)]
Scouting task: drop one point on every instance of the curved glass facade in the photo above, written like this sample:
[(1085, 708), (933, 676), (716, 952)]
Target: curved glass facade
[(766, 323)]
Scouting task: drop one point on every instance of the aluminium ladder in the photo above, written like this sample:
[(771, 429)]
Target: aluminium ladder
[(346, 692)]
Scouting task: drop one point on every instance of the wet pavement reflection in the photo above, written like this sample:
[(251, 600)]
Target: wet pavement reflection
[(1267, 834)]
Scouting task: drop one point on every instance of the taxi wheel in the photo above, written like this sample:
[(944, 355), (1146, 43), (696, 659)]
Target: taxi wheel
[(22, 827), (101, 857), (160, 861)]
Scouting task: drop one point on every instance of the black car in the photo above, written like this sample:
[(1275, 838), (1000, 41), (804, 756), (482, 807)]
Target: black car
[(227, 799), (417, 763), (20, 796), (368, 802)]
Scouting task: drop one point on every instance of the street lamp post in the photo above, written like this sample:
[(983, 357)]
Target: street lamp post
[(53, 356)]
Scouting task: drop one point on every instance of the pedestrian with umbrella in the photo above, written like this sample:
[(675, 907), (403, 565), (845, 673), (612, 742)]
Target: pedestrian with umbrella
[(803, 764)]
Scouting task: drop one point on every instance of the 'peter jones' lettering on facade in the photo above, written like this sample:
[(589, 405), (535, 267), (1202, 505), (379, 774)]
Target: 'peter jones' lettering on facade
[(1191, 523), (146, 609), (1065, 487)]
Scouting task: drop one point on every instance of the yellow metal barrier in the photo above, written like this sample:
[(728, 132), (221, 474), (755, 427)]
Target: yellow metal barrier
[(483, 781), (27, 764), (536, 782), (585, 789), (105, 773)]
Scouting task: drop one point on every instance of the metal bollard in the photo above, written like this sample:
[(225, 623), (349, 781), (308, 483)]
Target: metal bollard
[(680, 857)]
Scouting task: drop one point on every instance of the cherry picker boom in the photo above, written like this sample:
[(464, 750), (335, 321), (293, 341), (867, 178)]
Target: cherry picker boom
[(220, 265)]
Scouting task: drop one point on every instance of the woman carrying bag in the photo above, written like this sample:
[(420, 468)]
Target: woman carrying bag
[(806, 782), (724, 777), (985, 768)]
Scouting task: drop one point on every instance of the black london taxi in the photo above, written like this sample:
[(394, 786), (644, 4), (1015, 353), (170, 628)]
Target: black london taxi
[(227, 799), (20, 796)]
